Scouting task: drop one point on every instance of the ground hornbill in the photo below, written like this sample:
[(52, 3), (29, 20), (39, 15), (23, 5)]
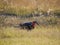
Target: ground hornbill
[(28, 25)]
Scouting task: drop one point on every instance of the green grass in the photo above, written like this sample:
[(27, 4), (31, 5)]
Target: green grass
[(38, 36)]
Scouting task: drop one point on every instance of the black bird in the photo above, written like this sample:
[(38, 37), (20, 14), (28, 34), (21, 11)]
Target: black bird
[(28, 25)]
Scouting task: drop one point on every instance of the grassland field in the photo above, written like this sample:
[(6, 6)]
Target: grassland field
[(41, 35), (38, 36)]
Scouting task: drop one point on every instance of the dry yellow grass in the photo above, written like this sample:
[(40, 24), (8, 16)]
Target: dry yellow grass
[(38, 36)]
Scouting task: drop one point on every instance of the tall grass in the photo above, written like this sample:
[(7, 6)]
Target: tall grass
[(39, 35)]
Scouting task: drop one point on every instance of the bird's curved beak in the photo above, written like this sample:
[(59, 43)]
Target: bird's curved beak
[(37, 23)]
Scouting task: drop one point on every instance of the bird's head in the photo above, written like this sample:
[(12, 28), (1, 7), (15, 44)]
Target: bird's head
[(36, 22)]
